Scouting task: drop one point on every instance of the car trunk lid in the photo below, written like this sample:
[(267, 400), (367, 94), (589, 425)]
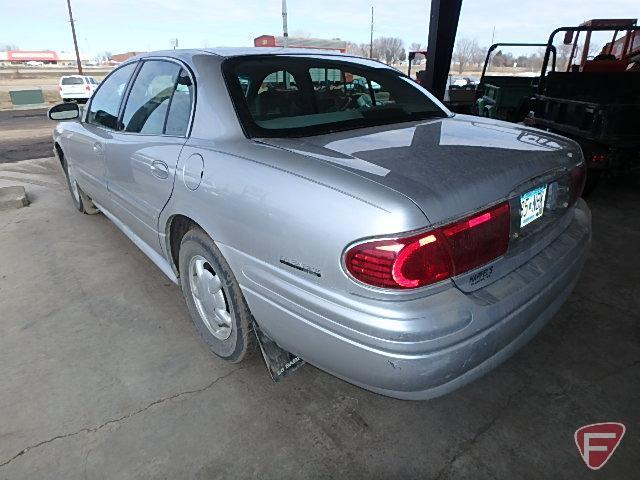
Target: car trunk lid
[(449, 167), (452, 167)]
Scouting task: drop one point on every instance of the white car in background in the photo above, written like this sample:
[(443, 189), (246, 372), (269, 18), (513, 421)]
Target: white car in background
[(77, 87)]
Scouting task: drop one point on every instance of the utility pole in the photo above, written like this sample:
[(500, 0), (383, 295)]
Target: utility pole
[(493, 34), (75, 41), (371, 38), (285, 31)]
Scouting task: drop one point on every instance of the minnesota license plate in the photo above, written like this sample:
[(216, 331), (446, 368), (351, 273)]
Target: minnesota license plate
[(532, 205)]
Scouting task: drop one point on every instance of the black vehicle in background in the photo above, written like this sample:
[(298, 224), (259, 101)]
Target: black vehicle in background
[(596, 99), (506, 96)]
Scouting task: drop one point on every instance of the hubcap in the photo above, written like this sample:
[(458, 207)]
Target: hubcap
[(209, 298)]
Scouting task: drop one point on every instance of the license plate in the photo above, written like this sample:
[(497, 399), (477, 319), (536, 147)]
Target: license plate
[(532, 205)]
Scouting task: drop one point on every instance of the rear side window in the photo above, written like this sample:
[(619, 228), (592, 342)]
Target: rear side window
[(105, 104), (180, 106), (72, 81), (150, 96)]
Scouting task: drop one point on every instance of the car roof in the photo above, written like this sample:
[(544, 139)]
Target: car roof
[(229, 52)]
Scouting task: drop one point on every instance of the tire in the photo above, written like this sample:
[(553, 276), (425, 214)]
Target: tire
[(213, 290), (81, 200)]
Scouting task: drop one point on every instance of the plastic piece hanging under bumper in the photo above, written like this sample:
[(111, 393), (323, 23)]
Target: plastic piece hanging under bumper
[(280, 363)]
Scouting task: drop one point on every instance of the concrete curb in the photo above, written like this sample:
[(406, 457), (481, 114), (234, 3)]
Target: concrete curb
[(13, 197)]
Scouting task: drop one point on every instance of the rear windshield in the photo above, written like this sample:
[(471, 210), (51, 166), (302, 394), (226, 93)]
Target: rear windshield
[(72, 81), (278, 96)]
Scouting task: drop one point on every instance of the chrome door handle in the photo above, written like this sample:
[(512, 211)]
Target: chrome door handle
[(159, 169), (98, 148)]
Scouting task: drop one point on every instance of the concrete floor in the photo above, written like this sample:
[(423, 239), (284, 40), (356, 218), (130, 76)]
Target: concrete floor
[(104, 376)]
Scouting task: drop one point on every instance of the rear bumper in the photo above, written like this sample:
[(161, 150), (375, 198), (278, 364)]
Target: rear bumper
[(460, 336)]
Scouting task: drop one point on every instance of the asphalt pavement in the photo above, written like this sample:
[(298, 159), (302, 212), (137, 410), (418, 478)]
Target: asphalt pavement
[(25, 134)]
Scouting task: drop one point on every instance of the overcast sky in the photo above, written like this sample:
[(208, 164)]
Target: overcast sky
[(123, 25)]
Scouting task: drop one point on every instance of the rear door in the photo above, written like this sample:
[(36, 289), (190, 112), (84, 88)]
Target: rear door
[(143, 154)]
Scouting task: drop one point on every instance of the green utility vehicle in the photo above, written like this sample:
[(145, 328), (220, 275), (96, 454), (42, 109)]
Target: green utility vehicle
[(506, 97)]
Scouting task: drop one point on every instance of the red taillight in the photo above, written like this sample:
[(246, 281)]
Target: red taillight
[(87, 88), (578, 176), (59, 88), (432, 256), (477, 240)]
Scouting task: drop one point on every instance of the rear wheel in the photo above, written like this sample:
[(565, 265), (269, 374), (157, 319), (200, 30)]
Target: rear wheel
[(214, 298)]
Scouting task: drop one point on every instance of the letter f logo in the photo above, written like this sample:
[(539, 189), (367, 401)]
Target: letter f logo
[(597, 442)]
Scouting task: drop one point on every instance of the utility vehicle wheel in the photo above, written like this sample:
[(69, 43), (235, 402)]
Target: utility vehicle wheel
[(214, 298)]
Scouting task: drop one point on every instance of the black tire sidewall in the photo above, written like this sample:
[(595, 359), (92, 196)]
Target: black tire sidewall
[(234, 348), (77, 202)]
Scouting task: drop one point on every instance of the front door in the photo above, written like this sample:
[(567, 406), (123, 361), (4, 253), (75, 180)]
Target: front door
[(86, 145), (143, 154)]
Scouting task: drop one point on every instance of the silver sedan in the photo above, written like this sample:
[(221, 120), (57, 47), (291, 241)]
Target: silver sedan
[(330, 210)]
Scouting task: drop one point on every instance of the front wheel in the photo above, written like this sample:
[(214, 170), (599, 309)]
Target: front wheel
[(214, 298), (80, 199)]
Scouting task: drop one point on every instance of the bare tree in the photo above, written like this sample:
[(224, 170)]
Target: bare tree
[(415, 47), (388, 49), (478, 56), (564, 52), (536, 59), (10, 46), (502, 59), (104, 57), (359, 49), (466, 51), (594, 49)]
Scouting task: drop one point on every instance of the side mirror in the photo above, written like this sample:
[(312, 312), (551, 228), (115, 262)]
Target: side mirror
[(64, 111), (568, 37)]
